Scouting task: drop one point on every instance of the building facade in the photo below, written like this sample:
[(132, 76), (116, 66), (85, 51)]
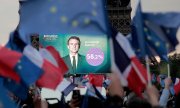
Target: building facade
[(119, 13)]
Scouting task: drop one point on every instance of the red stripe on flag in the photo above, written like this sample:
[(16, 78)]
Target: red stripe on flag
[(177, 88), (8, 73), (135, 83), (141, 68), (9, 57), (96, 79), (51, 76), (8, 60), (58, 58)]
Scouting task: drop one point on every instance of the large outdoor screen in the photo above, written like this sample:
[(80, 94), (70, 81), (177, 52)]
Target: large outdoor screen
[(93, 52)]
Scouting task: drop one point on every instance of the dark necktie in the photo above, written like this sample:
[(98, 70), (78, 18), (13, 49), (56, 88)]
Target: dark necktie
[(74, 64)]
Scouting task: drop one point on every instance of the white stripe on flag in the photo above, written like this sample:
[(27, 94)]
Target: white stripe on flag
[(127, 71), (69, 88), (125, 45), (176, 81), (33, 55), (129, 51), (114, 67), (62, 85), (48, 56), (139, 73)]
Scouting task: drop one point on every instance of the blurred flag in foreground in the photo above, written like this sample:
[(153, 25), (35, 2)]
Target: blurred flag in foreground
[(138, 35), (154, 33), (26, 69), (165, 25), (66, 87), (146, 40), (5, 101), (6, 71), (53, 74), (59, 60), (15, 42), (65, 16), (23, 67), (125, 63), (18, 89), (177, 88), (164, 19), (96, 79)]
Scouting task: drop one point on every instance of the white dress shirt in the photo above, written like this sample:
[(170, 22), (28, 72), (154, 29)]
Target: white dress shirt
[(76, 57)]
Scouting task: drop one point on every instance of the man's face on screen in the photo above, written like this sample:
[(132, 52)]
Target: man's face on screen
[(73, 46)]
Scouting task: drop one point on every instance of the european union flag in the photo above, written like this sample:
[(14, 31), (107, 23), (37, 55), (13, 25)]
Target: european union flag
[(62, 16), (165, 25), (153, 45), (154, 33), (15, 42), (139, 28), (171, 35), (137, 47), (156, 43), (5, 101), (28, 71), (18, 89), (166, 19)]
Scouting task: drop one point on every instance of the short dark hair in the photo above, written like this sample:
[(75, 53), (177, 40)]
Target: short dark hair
[(74, 37)]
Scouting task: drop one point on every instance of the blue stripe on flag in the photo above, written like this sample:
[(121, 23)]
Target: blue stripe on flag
[(28, 71)]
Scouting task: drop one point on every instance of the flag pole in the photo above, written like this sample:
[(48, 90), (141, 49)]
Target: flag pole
[(148, 71), (168, 67)]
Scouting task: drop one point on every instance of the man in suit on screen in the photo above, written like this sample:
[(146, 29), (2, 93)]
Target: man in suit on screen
[(75, 61)]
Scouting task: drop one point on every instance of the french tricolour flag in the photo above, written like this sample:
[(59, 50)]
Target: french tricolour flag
[(20, 67), (66, 87), (124, 62), (56, 55), (53, 74)]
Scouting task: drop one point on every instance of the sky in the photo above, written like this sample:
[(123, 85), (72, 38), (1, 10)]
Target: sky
[(9, 17)]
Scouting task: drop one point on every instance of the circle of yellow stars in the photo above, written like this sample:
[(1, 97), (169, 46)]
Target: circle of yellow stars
[(75, 23)]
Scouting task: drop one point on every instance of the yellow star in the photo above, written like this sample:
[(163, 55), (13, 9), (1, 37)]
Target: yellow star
[(19, 67), (63, 19), (94, 3), (167, 45), (149, 37), (53, 9), (75, 23), (157, 44), (145, 29), (94, 13), (86, 21)]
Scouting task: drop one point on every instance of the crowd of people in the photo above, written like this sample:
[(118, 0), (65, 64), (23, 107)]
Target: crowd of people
[(156, 95)]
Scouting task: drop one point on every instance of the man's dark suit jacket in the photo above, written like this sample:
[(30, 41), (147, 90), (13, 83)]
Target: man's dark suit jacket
[(81, 65)]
